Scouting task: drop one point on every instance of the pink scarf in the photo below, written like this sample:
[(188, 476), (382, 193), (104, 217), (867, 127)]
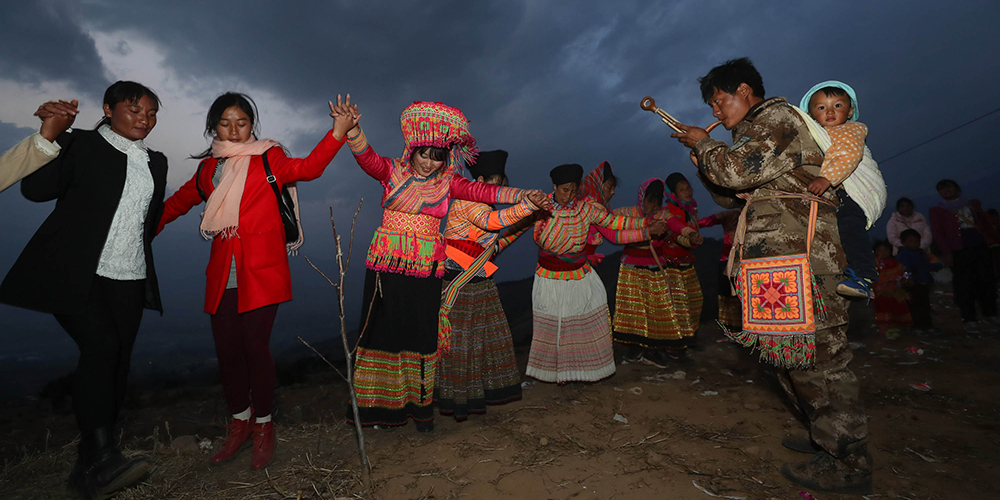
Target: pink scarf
[(222, 210)]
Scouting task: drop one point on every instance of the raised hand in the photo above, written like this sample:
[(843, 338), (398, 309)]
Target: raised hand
[(57, 117), (345, 117)]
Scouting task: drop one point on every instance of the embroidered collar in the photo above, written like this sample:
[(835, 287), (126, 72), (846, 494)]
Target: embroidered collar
[(120, 143)]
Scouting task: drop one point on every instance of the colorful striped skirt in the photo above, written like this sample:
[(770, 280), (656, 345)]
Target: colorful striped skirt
[(480, 370), (572, 330), (657, 309), (396, 357)]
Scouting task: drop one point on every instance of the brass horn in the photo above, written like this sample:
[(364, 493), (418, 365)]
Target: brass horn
[(649, 104)]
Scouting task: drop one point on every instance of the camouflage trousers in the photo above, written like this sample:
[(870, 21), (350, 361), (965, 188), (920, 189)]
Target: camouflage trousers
[(828, 393)]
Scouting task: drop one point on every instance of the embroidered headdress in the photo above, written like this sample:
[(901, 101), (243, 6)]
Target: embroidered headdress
[(689, 207), (592, 186), (651, 186), (441, 126)]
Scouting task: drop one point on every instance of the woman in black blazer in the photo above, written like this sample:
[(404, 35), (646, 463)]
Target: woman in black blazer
[(90, 264)]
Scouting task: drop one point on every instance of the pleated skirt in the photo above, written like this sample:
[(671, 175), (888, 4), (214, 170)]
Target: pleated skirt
[(571, 339), (480, 369), (657, 309)]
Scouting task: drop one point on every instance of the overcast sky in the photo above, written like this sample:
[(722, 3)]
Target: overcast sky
[(550, 82)]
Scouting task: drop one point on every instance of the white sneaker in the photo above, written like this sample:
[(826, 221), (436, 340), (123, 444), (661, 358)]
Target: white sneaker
[(970, 326)]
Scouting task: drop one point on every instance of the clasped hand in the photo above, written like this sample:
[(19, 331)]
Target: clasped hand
[(57, 117), (345, 117), (657, 227), (538, 198)]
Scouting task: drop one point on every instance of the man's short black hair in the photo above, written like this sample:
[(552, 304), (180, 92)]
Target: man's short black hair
[(727, 77)]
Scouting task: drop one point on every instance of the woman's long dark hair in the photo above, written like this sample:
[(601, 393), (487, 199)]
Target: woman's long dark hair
[(221, 104), (125, 91)]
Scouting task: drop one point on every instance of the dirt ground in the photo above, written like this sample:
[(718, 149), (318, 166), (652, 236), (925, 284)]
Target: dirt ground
[(712, 431)]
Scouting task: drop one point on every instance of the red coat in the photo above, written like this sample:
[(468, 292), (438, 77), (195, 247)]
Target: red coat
[(259, 248)]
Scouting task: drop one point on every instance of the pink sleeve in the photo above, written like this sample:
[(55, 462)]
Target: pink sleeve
[(464, 189), (711, 220), (608, 234), (676, 224), (892, 230), (378, 167)]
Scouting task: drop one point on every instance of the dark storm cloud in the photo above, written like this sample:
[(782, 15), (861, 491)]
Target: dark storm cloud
[(551, 82), (44, 41)]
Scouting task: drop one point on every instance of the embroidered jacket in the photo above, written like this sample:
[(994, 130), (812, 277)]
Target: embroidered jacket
[(563, 235), (409, 240), (637, 253)]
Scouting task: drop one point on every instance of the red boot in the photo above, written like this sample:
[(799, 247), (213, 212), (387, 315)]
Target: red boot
[(263, 445), (237, 438)]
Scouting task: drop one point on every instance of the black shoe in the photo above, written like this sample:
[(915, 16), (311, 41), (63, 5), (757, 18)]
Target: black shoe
[(632, 354), (851, 475), (101, 469), (427, 426), (656, 357), (801, 444)]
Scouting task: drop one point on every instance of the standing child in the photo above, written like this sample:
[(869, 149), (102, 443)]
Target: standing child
[(891, 311), (917, 280), (850, 169)]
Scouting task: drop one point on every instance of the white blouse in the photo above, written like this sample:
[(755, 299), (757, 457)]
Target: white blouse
[(123, 256)]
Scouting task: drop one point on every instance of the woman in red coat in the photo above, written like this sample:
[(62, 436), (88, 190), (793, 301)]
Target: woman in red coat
[(247, 274)]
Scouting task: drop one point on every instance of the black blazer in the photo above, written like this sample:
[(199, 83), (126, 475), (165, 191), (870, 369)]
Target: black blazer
[(55, 271)]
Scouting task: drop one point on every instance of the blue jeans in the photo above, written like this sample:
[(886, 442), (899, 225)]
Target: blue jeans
[(851, 222)]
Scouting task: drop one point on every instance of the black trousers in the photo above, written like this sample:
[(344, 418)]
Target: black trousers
[(920, 304), (851, 222), (974, 282), (105, 335)]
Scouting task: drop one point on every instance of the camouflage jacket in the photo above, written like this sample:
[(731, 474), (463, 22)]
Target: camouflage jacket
[(773, 150)]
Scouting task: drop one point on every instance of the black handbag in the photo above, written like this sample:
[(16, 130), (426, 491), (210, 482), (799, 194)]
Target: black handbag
[(286, 207)]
